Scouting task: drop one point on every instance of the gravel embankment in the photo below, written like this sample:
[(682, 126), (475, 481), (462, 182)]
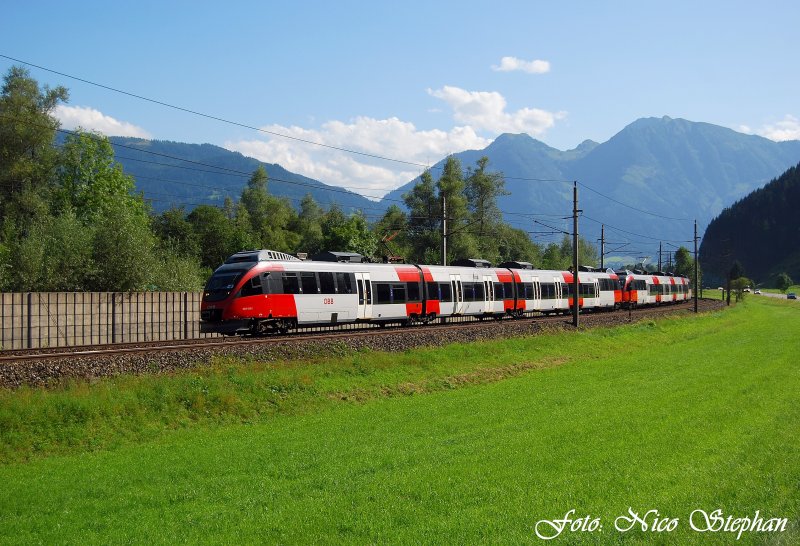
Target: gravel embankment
[(50, 372)]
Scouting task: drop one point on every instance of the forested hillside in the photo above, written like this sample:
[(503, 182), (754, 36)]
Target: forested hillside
[(761, 231)]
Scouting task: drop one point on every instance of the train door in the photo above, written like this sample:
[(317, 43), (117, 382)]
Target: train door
[(536, 296), (597, 302), (562, 294), (488, 294), (458, 294), (364, 296)]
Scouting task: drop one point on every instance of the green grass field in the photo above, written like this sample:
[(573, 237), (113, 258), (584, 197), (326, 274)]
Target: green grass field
[(794, 288), (466, 444)]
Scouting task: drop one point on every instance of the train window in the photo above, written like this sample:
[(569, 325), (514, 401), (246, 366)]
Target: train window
[(446, 291), (473, 291), (526, 291), (433, 291), (368, 288), (220, 284), (308, 282), (252, 287), (326, 284), (638, 284), (360, 292), (223, 281), (398, 293), (383, 293), (412, 289), (498, 291), (291, 285), (344, 283), (271, 284), (508, 287)]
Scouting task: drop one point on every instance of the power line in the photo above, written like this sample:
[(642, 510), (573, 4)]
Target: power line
[(215, 118), (258, 129), (320, 144), (228, 171), (233, 172), (630, 232), (631, 206)]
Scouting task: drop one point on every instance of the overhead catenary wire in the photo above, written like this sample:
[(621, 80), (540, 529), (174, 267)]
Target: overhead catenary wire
[(234, 172), (290, 137), (631, 206), (631, 232), (251, 127)]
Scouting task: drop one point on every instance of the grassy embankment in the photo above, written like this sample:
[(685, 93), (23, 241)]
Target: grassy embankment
[(462, 444)]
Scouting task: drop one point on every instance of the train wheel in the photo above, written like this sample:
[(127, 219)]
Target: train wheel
[(259, 328), (284, 326)]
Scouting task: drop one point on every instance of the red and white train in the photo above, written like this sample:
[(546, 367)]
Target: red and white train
[(256, 292)]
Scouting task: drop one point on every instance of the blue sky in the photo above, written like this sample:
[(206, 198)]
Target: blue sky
[(412, 80)]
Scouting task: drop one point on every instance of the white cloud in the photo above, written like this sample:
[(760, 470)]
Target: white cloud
[(486, 110), (473, 111), (72, 117), (786, 129), (512, 64), (389, 138)]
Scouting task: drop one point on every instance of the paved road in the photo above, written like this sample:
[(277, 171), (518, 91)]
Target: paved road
[(771, 295), (716, 294)]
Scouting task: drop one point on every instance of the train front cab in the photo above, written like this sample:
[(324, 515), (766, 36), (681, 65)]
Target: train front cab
[(635, 290), (270, 296), (216, 312)]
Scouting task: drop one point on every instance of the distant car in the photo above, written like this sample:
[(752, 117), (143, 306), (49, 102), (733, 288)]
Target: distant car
[(791, 296), (757, 291)]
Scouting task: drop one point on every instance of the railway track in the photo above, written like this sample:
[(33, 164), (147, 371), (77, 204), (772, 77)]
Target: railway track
[(42, 367), (301, 334)]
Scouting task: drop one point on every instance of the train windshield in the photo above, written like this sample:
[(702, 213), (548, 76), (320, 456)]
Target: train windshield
[(221, 283)]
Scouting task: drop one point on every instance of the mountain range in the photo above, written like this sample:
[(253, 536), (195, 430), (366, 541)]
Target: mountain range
[(656, 176), (646, 183), (175, 173)]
